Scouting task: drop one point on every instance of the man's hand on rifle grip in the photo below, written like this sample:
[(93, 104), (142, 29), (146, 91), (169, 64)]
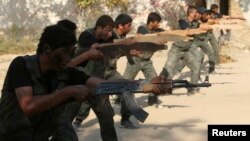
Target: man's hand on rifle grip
[(94, 54), (161, 85)]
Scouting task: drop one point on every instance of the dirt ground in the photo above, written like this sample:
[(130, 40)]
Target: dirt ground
[(183, 117)]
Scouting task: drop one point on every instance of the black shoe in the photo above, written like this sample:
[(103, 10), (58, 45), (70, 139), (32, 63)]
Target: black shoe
[(211, 67), (152, 100), (128, 124)]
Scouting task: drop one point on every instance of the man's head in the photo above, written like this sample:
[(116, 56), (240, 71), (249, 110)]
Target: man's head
[(214, 8), (56, 45), (123, 23), (192, 12), (104, 27), (154, 20), (68, 25), (203, 12)]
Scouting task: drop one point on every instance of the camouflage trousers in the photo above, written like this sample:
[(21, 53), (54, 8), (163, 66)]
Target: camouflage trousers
[(215, 45), (204, 46), (125, 112), (144, 65), (102, 109), (179, 58)]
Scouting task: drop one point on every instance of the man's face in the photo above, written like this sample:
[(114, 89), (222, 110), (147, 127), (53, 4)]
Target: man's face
[(198, 16), (204, 17), (215, 10), (60, 57), (193, 14), (104, 33), (155, 24), (126, 28)]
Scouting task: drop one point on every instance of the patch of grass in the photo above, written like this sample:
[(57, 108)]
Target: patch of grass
[(14, 46)]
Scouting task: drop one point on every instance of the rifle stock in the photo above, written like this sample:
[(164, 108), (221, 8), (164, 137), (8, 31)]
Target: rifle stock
[(117, 50), (184, 33)]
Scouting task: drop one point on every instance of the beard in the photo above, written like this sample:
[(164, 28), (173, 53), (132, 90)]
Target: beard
[(58, 62)]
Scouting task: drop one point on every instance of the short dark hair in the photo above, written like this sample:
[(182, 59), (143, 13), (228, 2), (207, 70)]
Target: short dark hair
[(122, 19), (56, 37), (153, 16), (104, 20), (209, 12), (214, 6), (67, 24), (202, 10), (190, 9)]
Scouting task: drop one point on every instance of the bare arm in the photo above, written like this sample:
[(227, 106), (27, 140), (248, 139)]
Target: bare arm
[(91, 54), (79, 59), (92, 83), (205, 26), (33, 105)]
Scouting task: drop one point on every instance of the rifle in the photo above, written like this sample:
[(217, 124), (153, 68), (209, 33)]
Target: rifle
[(128, 87), (122, 47), (114, 50), (225, 24), (184, 33)]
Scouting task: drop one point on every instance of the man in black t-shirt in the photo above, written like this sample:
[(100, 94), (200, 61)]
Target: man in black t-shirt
[(143, 62), (101, 33), (123, 24), (36, 86), (89, 40), (184, 52)]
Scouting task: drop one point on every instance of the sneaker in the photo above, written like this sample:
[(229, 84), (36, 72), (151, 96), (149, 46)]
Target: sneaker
[(128, 124), (193, 90), (158, 106), (200, 80)]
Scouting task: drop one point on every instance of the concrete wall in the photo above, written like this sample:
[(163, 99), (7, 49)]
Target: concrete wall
[(245, 8), (34, 15)]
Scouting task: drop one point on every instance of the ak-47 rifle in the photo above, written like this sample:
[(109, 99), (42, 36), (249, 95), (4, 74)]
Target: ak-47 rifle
[(160, 37), (122, 47), (118, 50), (127, 88), (223, 24), (146, 42), (166, 36), (185, 33)]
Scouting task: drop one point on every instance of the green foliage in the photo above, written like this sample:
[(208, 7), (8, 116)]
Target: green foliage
[(123, 4), (20, 46), (82, 4)]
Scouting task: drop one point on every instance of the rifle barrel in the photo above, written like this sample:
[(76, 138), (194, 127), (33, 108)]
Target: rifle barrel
[(183, 85)]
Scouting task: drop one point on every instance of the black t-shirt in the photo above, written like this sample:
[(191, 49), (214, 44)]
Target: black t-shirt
[(87, 39), (184, 24), (217, 15), (144, 30), (20, 76)]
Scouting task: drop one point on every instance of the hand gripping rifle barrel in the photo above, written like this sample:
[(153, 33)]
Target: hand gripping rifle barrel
[(128, 87)]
